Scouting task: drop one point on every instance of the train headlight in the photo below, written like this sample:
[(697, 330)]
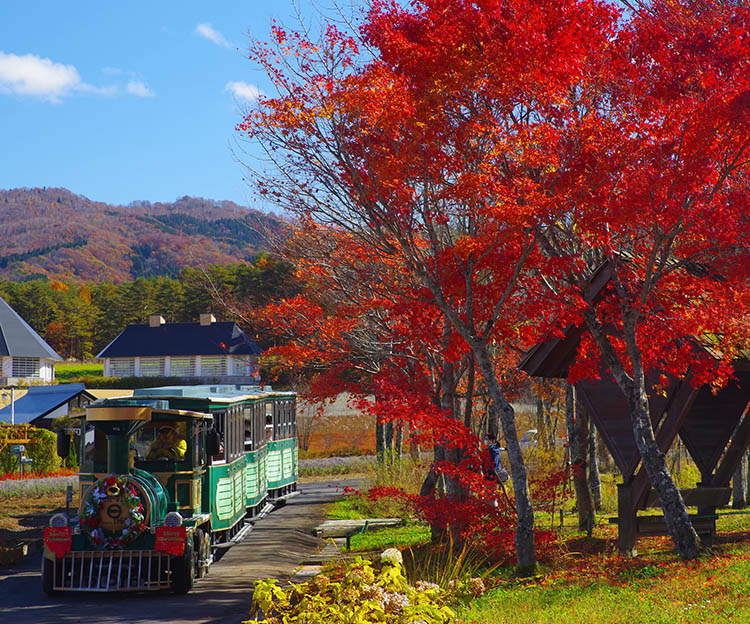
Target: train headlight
[(58, 520), (173, 519)]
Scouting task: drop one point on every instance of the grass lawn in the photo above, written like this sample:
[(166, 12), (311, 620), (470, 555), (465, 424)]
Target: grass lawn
[(648, 589), (399, 537), (65, 373), (586, 581)]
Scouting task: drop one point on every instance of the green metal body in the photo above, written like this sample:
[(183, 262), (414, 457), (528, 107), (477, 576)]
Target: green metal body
[(209, 493), (282, 463)]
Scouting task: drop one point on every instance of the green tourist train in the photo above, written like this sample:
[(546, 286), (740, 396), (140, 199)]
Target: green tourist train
[(167, 476)]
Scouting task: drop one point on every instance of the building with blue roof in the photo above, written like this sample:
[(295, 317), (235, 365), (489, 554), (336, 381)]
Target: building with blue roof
[(24, 356), (207, 351), (41, 404)]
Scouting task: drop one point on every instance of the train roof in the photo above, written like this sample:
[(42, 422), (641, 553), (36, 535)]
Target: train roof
[(189, 401), (214, 393)]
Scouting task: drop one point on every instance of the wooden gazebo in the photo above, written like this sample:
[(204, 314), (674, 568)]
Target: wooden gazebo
[(715, 430)]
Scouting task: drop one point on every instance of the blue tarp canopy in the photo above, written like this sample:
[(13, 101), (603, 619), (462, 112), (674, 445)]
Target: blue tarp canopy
[(40, 401)]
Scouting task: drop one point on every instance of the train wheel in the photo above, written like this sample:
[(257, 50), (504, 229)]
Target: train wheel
[(48, 573), (202, 551), (183, 570)]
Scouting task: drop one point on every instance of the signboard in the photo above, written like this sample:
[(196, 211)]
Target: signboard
[(58, 539), (170, 540), (113, 513)]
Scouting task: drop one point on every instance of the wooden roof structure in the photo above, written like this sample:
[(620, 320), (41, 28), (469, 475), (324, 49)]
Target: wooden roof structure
[(715, 428)]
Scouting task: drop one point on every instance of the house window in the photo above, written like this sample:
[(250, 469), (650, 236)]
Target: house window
[(152, 367), (122, 367), (26, 367), (213, 366), (182, 367)]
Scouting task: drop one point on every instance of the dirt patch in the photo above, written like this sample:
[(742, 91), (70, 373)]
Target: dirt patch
[(22, 518)]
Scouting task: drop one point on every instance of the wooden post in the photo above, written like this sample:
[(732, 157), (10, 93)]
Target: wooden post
[(627, 528)]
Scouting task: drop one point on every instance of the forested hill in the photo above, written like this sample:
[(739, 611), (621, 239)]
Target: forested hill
[(54, 233)]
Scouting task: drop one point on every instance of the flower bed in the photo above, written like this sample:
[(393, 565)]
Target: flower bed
[(15, 476)]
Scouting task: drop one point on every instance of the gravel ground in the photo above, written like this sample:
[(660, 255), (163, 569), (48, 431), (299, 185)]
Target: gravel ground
[(335, 463), (37, 485)]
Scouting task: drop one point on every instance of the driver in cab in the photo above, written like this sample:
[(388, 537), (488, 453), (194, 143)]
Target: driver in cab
[(168, 445)]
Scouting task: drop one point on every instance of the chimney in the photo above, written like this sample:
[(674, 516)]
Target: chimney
[(155, 320), (207, 319)]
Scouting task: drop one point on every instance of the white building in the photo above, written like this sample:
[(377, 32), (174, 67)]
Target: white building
[(195, 352), (25, 357)]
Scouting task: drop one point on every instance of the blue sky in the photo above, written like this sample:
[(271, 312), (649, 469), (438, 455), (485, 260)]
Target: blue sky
[(131, 100)]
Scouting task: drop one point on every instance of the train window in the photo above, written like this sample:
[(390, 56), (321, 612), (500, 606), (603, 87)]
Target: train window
[(231, 434), (94, 444), (236, 438), (162, 441), (247, 417), (198, 429), (219, 423)]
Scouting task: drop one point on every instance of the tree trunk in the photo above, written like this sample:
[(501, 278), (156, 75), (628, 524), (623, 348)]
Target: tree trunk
[(594, 478), (453, 488), (584, 501), (469, 404), (541, 424), (389, 443), (570, 422), (634, 388), (398, 444), (380, 441), (739, 485), (524, 538)]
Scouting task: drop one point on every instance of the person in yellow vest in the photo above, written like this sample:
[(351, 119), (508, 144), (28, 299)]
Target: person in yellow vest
[(168, 444)]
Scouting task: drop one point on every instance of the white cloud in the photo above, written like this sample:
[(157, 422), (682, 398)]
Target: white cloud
[(207, 31), (36, 76), (136, 87), (243, 91)]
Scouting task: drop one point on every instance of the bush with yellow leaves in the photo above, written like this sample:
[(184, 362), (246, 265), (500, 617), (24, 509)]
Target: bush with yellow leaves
[(357, 592)]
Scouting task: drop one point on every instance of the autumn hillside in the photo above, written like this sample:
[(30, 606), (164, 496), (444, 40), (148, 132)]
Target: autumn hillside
[(55, 233)]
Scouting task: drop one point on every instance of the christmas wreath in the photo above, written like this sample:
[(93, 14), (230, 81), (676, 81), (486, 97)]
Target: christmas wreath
[(104, 492)]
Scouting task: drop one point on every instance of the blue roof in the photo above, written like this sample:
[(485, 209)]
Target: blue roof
[(180, 339), (40, 401), (17, 339)]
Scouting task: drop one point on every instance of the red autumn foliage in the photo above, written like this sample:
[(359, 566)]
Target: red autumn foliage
[(487, 158)]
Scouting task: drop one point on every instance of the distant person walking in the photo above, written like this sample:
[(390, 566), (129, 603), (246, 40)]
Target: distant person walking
[(493, 469)]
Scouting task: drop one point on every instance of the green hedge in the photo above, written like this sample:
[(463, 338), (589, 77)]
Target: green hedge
[(131, 383), (41, 449)]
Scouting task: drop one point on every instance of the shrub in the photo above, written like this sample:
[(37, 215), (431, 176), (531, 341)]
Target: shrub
[(448, 565), (41, 449), (357, 592)]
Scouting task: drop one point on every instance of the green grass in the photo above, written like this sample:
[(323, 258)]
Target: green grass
[(391, 537), (712, 592), (346, 508), (65, 373), (357, 506)]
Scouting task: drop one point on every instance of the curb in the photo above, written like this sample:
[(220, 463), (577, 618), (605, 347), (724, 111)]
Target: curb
[(15, 555)]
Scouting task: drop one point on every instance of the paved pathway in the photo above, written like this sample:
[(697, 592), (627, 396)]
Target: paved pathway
[(274, 548)]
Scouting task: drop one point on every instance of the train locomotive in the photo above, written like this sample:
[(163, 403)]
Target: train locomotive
[(166, 476)]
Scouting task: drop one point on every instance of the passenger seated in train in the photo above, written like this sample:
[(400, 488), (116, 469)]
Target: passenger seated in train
[(168, 444)]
